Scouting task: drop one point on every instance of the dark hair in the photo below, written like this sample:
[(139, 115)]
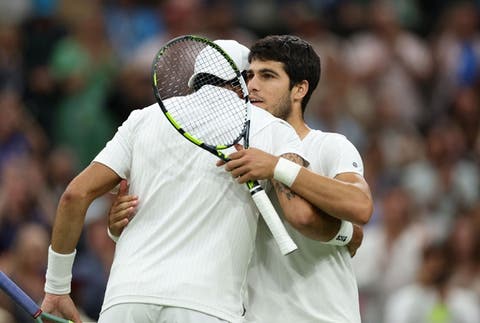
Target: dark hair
[(297, 55), (202, 79)]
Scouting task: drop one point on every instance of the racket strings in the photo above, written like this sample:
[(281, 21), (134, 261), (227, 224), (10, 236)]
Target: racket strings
[(213, 115), (201, 92)]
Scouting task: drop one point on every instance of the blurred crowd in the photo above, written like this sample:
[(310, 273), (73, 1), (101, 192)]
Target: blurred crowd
[(400, 79)]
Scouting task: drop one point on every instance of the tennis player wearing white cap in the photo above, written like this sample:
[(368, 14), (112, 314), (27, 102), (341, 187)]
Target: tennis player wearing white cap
[(184, 257)]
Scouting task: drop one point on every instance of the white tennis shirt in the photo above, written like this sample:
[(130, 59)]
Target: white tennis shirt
[(316, 283), (191, 241)]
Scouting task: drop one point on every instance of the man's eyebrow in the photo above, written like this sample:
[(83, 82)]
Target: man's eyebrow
[(268, 70)]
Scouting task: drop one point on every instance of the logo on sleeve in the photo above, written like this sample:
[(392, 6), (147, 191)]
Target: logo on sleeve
[(355, 164), (341, 238)]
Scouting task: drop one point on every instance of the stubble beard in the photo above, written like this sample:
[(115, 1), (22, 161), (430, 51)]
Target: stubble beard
[(283, 108)]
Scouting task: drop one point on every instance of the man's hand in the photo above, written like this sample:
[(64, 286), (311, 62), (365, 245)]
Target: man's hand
[(60, 305), (122, 210), (250, 164), (356, 240)]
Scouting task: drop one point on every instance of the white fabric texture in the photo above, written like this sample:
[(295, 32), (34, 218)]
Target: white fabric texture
[(148, 313), (316, 283), (190, 243)]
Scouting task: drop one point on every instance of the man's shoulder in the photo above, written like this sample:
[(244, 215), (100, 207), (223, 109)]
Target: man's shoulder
[(327, 135), (141, 113), (328, 138)]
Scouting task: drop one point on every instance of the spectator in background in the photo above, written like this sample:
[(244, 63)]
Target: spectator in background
[(464, 245), (389, 61), (390, 253), (133, 88), (84, 65), (465, 111), (220, 22), (14, 12), (20, 134), (42, 30), (329, 106), (26, 266), (456, 49), (18, 205), (444, 181), (13, 138), (129, 24), (431, 298), (5, 316), (11, 64)]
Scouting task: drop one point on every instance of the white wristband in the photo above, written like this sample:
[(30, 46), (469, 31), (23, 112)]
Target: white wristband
[(112, 236), (59, 272), (286, 171), (343, 236)]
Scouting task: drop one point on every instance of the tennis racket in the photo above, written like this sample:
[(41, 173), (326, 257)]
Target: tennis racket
[(204, 96), (25, 302)]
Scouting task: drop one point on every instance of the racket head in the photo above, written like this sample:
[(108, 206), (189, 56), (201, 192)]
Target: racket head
[(201, 90)]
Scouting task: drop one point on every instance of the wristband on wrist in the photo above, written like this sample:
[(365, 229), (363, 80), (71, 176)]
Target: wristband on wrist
[(343, 236), (59, 272), (112, 236), (286, 171)]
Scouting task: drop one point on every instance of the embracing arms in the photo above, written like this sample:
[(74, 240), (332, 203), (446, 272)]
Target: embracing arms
[(346, 197)]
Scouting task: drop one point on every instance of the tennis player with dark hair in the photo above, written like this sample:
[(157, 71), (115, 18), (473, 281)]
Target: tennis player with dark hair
[(184, 256), (316, 283)]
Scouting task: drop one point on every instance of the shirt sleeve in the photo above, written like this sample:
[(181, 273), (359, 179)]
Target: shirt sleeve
[(117, 154), (341, 156)]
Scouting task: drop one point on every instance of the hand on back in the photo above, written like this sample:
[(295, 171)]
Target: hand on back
[(123, 210)]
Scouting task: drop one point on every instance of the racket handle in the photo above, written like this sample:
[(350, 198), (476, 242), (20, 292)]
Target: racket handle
[(273, 221), (24, 301)]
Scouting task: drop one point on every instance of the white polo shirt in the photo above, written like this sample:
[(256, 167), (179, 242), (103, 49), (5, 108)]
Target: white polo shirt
[(316, 283), (191, 241)]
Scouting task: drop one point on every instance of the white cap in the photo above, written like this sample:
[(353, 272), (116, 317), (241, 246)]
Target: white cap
[(236, 51)]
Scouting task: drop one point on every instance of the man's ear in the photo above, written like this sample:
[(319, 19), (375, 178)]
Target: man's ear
[(300, 90)]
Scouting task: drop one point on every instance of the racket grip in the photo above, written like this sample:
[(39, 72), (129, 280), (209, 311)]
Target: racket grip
[(19, 296), (273, 221)]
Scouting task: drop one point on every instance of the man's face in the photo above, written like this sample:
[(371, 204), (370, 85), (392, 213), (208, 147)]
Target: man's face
[(269, 87)]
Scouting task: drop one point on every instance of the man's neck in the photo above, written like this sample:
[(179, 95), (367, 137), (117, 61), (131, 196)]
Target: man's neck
[(299, 125)]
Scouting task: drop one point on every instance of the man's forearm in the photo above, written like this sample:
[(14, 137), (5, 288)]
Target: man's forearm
[(343, 200), (304, 217)]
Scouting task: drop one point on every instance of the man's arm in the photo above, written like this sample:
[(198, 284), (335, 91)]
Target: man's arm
[(320, 225), (303, 215), (346, 197), (299, 212), (96, 180), (93, 182)]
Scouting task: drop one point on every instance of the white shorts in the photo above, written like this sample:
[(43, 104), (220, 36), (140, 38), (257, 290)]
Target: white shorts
[(150, 313)]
